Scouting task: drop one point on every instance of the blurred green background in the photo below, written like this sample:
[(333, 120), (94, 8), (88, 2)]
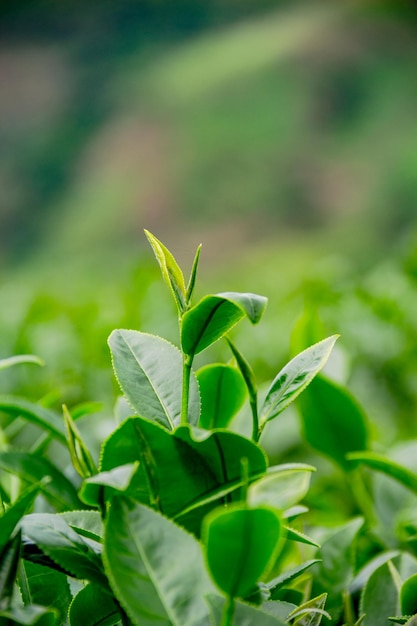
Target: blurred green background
[(282, 135)]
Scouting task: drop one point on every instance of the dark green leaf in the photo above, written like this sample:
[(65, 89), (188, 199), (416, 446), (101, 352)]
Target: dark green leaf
[(35, 413), (156, 569), (149, 371), (223, 392), (9, 560), (14, 513), (295, 377), (92, 607), (215, 315), (246, 371), (241, 545), (46, 587), (33, 468), (408, 596), (334, 424)]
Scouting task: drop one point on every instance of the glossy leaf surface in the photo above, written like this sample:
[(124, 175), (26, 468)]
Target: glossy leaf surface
[(46, 587), (156, 568), (222, 391), (149, 372), (282, 486), (241, 545), (215, 315), (295, 377), (92, 607), (408, 596), (333, 422), (101, 487)]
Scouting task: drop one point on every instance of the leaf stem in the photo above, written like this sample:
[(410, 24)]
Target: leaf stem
[(187, 362), (228, 611), (256, 430)]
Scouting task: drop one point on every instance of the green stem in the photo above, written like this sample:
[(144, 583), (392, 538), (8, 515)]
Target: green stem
[(187, 362), (228, 611), (256, 431)]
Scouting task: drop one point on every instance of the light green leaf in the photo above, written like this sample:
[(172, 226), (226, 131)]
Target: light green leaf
[(85, 523), (222, 391), (212, 317), (79, 556), (80, 455), (282, 487), (382, 464), (408, 596), (12, 516), (295, 377), (155, 568), (241, 546), (333, 422), (379, 599), (246, 371), (19, 359), (92, 607), (149, 372), (39, 415), (244, 614), (171, 271), (193, 275), (33, 468), (310, 613), (101, 487), (296, 535)]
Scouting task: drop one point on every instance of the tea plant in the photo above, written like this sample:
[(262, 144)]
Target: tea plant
[(182, 521)]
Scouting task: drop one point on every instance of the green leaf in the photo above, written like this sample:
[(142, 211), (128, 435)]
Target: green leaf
[(241, 546), (379, 599), (222, 391), (19, 359), (181, 471), (46, 587), (101, 487), (39, 415), (408, 596), (149, 372), (9, 560), (310, 613), (32, 615), (85, 523), (277, 583), (215, 315), (282, 486), (12, 516), (295, 377), (171, 271), (80, 456), (333, 422), (79, 556), (296, 535), (246, 371), (193, 275), (244, 614), (382, 464), (33, 468), (92, 607), (155, 568)]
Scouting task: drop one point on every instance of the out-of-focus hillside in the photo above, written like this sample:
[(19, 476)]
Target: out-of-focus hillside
[(235, 123)]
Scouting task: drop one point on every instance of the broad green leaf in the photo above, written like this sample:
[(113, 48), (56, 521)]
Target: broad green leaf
[(100, 488), (222, 391), (365, 572), (333, 422), (278, 608), (32, 468), (282, 486), (180, 471), (408, 596), (76, 555), (35, 413), (9, 560), (241, 546), (149, 372), (171, 271), (277, 583), (382, 464), (212, 317), (85, 523), (295, 377), (19, 359), (46, 587), (32, 615), (92, 607), (81, 458), (244, 614), (12, 516), (156, 569), (379, 599)]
